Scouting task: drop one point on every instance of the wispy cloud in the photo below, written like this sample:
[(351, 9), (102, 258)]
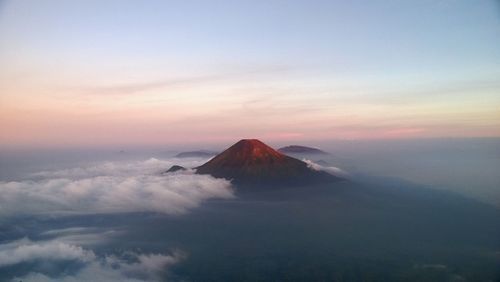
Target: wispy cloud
[(82, 236), (129, 266), (185, 81), (25, 250), (329, 169)]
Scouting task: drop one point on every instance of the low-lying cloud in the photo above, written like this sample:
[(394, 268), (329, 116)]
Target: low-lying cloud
[(24, 250), (82, 236), (151, 166), (110, 187), (329, 169), (129, 266)]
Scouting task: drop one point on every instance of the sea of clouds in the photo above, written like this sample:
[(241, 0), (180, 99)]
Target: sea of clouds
[(129, 266), (93, 189), (111, 187), (108, 187)]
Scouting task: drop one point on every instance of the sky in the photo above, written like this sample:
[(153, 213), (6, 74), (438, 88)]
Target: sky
[(105, 73)]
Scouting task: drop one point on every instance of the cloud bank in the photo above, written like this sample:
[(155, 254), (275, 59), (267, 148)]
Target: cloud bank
[(151, 166), (129, 266), (24, 250), (110, 187)]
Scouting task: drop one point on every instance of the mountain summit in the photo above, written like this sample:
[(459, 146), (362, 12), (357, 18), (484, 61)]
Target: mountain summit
[(252, 161)]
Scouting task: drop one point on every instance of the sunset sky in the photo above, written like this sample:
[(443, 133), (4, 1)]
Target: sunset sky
[(92, 73)]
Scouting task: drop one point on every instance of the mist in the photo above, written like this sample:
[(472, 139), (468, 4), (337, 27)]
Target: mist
[(406, 210)]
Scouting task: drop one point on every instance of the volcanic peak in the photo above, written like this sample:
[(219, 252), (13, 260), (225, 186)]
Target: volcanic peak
[(248, 152), (252, 161)]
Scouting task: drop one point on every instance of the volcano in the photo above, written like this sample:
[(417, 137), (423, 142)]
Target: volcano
[(252, 161)]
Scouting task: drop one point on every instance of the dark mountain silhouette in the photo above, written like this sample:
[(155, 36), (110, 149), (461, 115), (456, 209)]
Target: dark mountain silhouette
[(251, 161), (196, 154), (175, 168), (297, 149)]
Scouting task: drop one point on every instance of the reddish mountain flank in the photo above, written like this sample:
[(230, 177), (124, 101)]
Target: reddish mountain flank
[(251, 161)]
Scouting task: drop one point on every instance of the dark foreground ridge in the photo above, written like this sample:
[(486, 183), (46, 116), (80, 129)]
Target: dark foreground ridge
[(250, 161)]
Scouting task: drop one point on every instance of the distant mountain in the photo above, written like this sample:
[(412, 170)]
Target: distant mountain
[(297, 149), (251, 161), (196, 154), (175, 168)]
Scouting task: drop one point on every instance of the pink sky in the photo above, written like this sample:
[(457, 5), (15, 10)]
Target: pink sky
[(173, 74)]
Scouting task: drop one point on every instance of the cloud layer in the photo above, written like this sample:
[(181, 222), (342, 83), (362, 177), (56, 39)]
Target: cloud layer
[(129, 266), (24, 250), (110, 188)]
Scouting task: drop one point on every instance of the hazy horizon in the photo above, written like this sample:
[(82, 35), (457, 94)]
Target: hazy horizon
[(431, 161)]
